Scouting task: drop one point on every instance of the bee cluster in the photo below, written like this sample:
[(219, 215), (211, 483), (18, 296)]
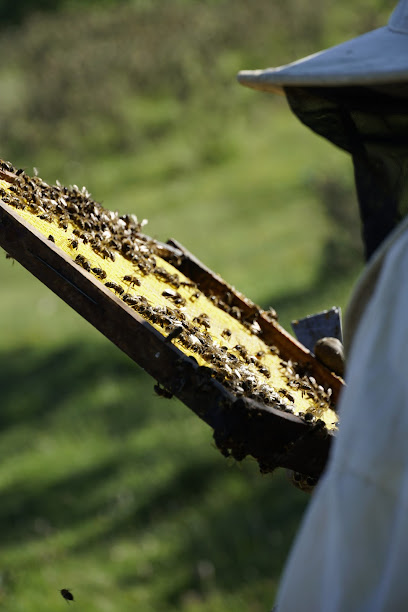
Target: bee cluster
[(309, 388), (106, 231), (209, 329)]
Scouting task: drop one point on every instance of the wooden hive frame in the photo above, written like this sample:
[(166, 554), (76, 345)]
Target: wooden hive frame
[(242, 425)]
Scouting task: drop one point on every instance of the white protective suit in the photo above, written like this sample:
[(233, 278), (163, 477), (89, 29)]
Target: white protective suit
[(351, 552)]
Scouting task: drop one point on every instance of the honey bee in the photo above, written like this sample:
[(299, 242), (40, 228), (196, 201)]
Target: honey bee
[(286, 394), (51, 238), (247, 385), (86, 237), (7, 166), (194, 296), (115, 244), (241, 350), (99, 272), (130, 300), (226, 333), (78, 221), (34, 207), (126, 246), (132, 280), (264, 370), (308, 417), (81, 261), (20, 204), (190, 341), (162, 391), (235, 312), (88, 225), (173, 280), (67, 595), (105, 252), (203, 319), (174, 333), (305, 387), (73, 208), (73, 243), (161, 273), (155, 317), (117, 288), (144, 309), (146, 267), (174, 296), (254, 327), (187, 284)]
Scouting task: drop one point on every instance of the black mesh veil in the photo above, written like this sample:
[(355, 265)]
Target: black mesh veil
[(372, 125)]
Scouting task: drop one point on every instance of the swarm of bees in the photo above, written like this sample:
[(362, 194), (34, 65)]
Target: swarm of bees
[(210, 329)]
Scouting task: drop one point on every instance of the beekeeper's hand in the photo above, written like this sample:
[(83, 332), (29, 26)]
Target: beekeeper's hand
[(330, 352)]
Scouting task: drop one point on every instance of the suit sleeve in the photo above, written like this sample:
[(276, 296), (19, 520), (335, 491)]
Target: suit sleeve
[(351, 550)]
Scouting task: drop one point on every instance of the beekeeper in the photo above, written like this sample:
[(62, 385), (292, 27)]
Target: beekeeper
[(351, 552)]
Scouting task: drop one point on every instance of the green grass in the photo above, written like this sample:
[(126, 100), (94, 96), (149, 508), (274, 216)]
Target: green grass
[(107, 489), (124, 498), (116, 494)]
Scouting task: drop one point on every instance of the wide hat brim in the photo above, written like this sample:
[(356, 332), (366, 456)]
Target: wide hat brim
[(377, 57)]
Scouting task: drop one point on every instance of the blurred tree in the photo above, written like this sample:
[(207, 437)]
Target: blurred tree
[(17, 12)]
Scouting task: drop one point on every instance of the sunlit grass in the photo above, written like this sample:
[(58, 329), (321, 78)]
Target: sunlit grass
[(107, 489)]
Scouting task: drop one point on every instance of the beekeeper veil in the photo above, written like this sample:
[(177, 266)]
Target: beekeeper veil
[(356, 96)]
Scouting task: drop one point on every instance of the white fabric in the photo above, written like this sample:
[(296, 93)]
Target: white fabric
[(351, 552), (366, 284)]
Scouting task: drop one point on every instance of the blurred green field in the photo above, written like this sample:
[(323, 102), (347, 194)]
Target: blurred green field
[(107, 489)]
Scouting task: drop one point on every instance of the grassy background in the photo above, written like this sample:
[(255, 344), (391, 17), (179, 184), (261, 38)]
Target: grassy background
[(105, 488)]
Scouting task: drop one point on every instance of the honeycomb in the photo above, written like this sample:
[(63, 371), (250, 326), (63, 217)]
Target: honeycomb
[(115, 251)]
